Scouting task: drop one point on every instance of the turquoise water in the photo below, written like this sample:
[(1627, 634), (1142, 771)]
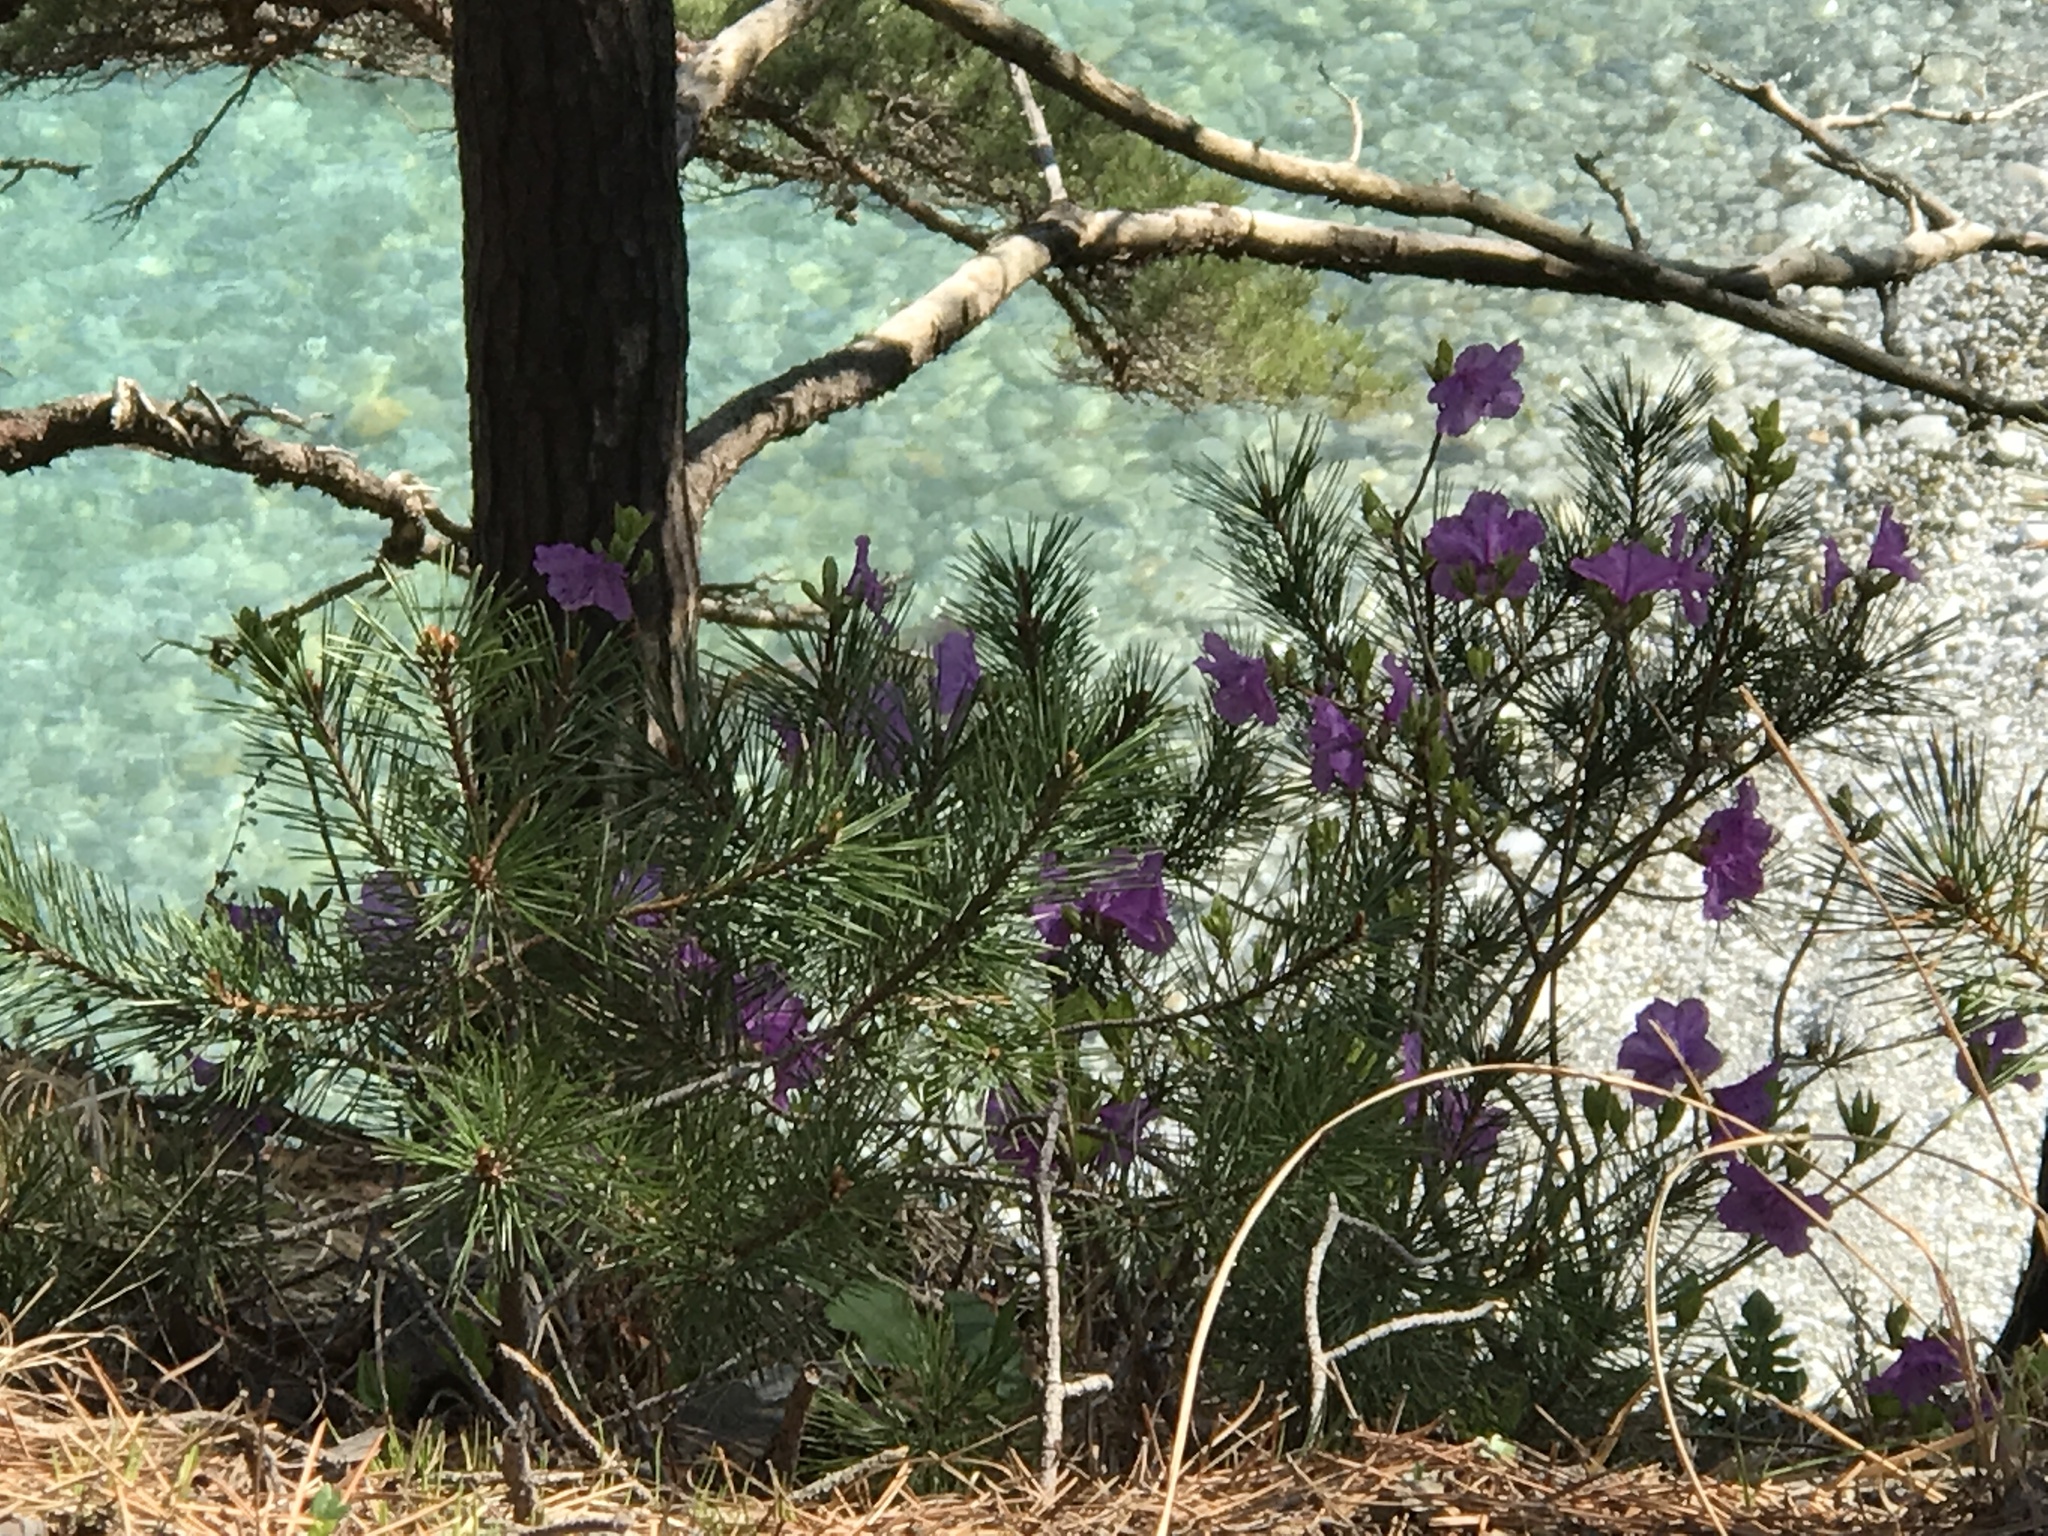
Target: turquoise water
[(311, 260)]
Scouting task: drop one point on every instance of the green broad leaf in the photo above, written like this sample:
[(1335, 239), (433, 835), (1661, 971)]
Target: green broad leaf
[(1727, 445), (829, 578), (882, 1320), (327, 1510), (1479, 662), (628, 525), (1668, 1117), (1440, 366), (1896, 1322)]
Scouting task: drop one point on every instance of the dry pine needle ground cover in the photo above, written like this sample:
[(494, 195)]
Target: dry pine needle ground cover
[(76, 1459)]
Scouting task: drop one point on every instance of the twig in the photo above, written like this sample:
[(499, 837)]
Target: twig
[(586, 1442), (130, 211), (1042, 150), (1053, 1413), (832, 1482), (1322, 1363), (1590, 164), (1357, 118), (17, 167)]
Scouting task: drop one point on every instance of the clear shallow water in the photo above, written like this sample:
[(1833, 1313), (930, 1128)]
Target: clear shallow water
[(311, 259)]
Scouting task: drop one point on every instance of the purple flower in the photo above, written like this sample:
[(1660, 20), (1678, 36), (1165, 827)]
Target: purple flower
[(789, 740), (887, 728), (1336, 747), (205, 1073), (645, 887), (1404, 688), (1690, 579), (1732, 844), (266, 919), (580, 578), (1755, 1205), (771, 1016), (1483, 552), (959, 673), (384, 912), (1242, 692), (1122, 1123), (1016, 1134), (798, 1067), (777, 1022), (1628, 571), (1989, 1045), (1888, 548), (1463, 1134), (1924, 1368), (1132, 895), (864, 586), (1129, 897), (1669, 1040), (1749, 1102), (1481, 383), (1050, 910), (1410, 1058), (1834, 571)]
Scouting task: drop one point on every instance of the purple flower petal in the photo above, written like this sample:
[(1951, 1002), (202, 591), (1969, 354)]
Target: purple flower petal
[(1924, 1368), (1481, 383), (1690, 579), (1732, 845), (384, 913), (581, 578), (1122, 1123), (1629, 571), (864, 586), (1336, 745), (1466, 1135), (1755, 1205), (1834, 571), (1888, 548), (1483, 552), (1990, 1044), (1410, 1059), (1404, 688), (645, 886), (1669, 1039), (1132, 896), (959, 673), (1743, 1108), (1242, 692)]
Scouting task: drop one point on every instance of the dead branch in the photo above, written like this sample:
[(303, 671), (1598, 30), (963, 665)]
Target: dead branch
[(131, 209), (1603, 267), (1043, 154), (1055, 1388), (192, 429), (708, 73), (14, 168), (1836, 154)]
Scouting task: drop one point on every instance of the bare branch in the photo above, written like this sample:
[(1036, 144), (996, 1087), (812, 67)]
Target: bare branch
[(1042, 151), (191, 429), (872, 365), (1836, 154), (1357, 118), (1965, 117), (708, 73), (1590, 164), (131, 210), (16, 167)]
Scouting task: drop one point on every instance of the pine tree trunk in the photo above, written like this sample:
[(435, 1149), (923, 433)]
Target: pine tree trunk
[(574, 282), (2028, 1319)]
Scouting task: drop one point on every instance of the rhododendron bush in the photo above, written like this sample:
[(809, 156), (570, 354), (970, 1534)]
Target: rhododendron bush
[(905, 943)]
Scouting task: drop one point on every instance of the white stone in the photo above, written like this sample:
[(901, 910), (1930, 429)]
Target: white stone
[(1927, 430)]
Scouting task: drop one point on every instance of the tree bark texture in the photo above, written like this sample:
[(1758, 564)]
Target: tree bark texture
[(574, 283)]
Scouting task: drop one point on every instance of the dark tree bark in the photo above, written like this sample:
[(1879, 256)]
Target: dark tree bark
[(2028, 1319), (573, 283)]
